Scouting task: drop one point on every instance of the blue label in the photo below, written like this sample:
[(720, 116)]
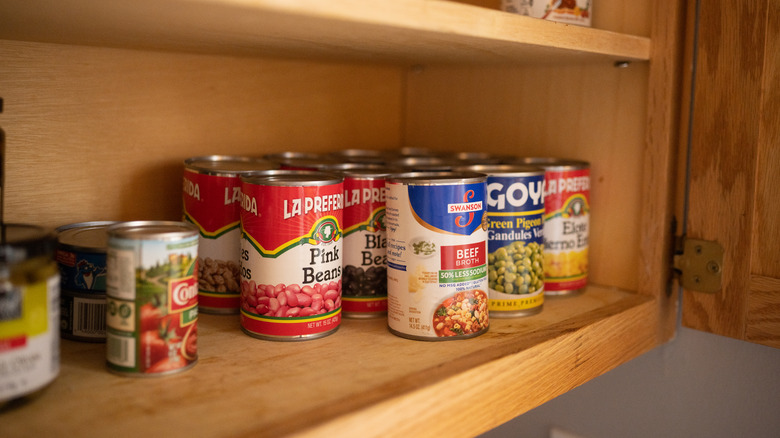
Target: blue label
[(456, 208), (515, 210)]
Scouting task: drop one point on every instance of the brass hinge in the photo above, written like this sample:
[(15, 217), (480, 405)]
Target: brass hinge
[(698, 264)]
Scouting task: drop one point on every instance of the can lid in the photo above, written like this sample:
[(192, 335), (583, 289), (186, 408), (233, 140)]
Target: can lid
[(472, 157), (306, 160), (292, 178), (364, 170), (363, 155), (437, 178), (158, 230), (503, 169), (85, 236), (19, 242), (230, 165)]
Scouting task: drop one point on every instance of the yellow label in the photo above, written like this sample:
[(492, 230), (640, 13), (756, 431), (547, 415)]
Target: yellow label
[(32, 318)]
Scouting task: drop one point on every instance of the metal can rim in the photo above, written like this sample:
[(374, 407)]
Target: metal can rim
[(291, 178), (196, 164), (550, 163), (64, 232), (162, 230), (437, 178), (503, 169)]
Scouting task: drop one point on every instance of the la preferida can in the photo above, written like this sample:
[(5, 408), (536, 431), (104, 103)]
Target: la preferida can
[(152, 298), (291, 254), (515, 210), (364, 291), (29, 311), (437, 279), (212, 202), (81, 257), (566, 224)]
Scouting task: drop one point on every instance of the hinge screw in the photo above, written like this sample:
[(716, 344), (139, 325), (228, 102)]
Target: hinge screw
[(713, 267)]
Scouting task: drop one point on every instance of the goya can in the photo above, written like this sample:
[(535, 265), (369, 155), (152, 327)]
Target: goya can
[(437, 276), (29, 311), (566, 224), (152, 298), (515, 210), (212, 202), (81, 257), (291, 254), (364, 291)]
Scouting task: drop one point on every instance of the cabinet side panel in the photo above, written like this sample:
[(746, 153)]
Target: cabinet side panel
[(591, 112), (101, 134), (724, 151)]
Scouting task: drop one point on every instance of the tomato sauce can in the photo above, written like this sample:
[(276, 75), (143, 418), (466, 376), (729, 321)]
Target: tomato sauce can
[(364, 292), (437, 276), (566, 224), (29, 312), (152, 298), (81, 258), (515, 210), (291, 254), (212, 202)]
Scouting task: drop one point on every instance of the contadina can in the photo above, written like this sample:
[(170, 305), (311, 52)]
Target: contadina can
[(291, 254), (364, 292), (437, 279), (515, 209), (566, 224), (152, 298), (81, 257), (212, 202), (29, 311)]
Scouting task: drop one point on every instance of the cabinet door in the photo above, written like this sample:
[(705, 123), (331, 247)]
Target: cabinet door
[(734, 168)]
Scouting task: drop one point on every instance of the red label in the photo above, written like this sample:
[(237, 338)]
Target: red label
[(66, 258), (13, 343), (560, 186), (278, 217), (462, 256), (286, 327), (211, 202), (362, 197), (183, 293), (364, 305)]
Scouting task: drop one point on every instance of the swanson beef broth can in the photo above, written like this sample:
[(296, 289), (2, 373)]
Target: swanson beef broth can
[(437, 255), (152, 298), (81, 258), (212, 202), (515, 210), (364, 292), (566, 224), (291, 254)]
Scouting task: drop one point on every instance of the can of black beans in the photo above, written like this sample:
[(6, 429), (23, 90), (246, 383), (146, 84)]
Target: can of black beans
[(364, 292), (437, 274)]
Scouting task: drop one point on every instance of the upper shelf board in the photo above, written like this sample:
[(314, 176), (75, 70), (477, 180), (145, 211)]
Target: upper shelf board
[(398, 31)]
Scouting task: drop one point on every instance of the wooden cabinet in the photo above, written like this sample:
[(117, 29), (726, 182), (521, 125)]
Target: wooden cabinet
[(104, 100)]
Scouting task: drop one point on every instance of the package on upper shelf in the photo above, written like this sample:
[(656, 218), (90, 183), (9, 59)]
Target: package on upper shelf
[(565, 11)]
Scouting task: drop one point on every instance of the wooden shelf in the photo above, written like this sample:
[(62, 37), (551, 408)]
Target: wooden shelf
[(400, 31), (360, 381)]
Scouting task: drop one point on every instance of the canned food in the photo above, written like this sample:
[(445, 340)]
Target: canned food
[(83, 315), (437, 255), (81, 255), (300, 160), (424, 164), (364, 293), (152, 298), (366, 156), (565, 11), (291, 254), (472, 158), (212, 202), (566, 224), (515, 210), (29, 311)]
